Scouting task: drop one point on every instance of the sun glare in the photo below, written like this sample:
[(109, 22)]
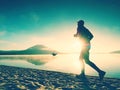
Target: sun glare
[(77, 45)]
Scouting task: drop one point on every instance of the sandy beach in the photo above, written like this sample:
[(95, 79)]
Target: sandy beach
[(15, 78)]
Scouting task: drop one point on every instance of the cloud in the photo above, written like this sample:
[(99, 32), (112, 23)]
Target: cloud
[(35, 17), (7, 45), (31, 17), (3, 32), (3, 42)]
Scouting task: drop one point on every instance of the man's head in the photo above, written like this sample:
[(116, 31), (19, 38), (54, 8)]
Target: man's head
[(81, 23)]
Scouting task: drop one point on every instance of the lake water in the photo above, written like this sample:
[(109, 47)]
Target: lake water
[(68, 63)]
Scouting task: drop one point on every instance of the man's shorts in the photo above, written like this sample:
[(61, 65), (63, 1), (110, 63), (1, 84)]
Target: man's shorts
[(85, 52)]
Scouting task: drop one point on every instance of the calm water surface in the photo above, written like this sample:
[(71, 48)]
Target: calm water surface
[(68, 63)]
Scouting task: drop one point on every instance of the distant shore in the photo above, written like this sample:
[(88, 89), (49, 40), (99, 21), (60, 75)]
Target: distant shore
[(14, 78)]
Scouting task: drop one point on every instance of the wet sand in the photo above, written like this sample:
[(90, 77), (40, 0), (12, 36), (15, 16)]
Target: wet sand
[(14, 78)]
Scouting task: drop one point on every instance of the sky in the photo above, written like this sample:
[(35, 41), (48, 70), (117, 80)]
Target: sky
[(24, 23)]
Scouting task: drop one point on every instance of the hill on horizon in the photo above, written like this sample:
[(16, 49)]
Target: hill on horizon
[(36, 49), (117, 51)]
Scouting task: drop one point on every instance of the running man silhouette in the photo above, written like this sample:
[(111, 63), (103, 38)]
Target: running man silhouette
[(86, 36)]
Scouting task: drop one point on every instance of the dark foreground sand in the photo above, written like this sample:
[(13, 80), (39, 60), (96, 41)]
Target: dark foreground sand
[(13, 78)]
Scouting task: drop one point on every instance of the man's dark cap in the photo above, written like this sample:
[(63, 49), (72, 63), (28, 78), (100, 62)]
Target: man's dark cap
[(81, 22)]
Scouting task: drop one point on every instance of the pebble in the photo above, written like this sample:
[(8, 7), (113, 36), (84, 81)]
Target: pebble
[(1, 84), (21, 87)]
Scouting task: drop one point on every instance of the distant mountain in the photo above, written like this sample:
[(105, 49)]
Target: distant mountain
[(118, 51), (37, 49)]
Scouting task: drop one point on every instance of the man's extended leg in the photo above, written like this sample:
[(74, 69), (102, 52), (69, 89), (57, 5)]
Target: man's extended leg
[(101, 73), (87, 61)]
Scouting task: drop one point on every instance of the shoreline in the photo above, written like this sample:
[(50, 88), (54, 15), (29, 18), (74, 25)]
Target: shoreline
[(17, 78)]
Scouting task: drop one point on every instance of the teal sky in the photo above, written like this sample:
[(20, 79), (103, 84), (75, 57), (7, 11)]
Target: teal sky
[(21, 19)]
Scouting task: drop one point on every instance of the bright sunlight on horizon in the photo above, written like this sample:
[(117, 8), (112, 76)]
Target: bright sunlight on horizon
[(63, 40)]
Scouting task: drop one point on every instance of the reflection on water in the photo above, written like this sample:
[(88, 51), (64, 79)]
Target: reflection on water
[(34, 59), (64, 63)]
